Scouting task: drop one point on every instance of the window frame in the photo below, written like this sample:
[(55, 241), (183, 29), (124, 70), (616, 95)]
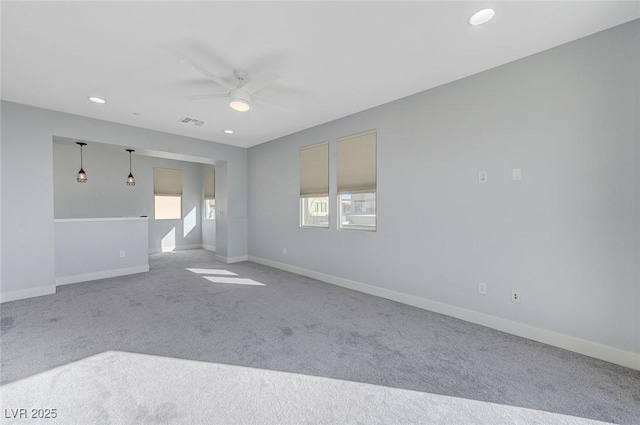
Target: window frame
[(355, 227), (314, 186), (368, 186), (163, 188), (206, 207), (155, 207), (209, 186), (303, 200)]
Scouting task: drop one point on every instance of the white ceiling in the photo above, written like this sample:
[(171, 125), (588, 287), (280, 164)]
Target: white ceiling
[(334, 58)]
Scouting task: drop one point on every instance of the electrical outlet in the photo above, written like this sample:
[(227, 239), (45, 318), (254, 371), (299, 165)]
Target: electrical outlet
[(515, 296), (121, 254), (516, 174), (482, 177), (284, 251), (482, 288)]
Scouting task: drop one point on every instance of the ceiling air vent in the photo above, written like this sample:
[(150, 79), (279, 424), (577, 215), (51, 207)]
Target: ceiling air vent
[(193, 121)]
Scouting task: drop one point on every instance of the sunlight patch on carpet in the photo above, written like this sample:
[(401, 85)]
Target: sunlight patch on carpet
[(233, 280), (213, 271), (121, 388)]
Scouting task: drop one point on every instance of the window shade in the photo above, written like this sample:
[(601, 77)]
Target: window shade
[(357, 163), (167, 182), (314, 170), (209, 184)]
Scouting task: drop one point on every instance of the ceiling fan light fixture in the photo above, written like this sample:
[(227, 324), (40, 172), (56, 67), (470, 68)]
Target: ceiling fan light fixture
[(239, 100), (239, 105)]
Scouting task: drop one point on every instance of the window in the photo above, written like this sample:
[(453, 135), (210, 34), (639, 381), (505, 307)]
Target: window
[(167, 189), (210, 209), (168, 207), (357, 182), (210, 194), (358, 211), (314, 212), (314, 186)]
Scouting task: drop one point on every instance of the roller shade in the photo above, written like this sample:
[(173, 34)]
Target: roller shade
[(209, 184), (357, 163), (314, 170), (167, 182)]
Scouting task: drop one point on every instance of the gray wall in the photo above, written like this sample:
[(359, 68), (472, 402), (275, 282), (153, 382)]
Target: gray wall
[(566, 236), (106, 195), (27, 184), (89, 249)]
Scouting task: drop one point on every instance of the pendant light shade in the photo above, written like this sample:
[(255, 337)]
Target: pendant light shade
[(131, 181), (82, 176)]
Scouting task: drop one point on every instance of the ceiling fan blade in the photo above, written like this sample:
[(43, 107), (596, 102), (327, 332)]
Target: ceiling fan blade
[(261, 81), (207, 74), (268, 102), (207, 96)]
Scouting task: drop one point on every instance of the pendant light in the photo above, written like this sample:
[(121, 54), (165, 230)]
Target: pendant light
[(130, 180), (82, 176)]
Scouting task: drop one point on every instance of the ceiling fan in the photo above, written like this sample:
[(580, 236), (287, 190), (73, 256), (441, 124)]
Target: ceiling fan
[(242, 94)]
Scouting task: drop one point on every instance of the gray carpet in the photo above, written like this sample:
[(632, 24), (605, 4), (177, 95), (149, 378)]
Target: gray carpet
[(125, 388), (301, 325)]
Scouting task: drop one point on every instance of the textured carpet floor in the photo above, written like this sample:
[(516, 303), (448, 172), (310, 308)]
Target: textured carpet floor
[(301, 325), (124, 388)]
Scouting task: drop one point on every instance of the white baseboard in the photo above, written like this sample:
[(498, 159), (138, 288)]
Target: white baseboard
[(21, 294), (229, 260), (578, 345), (66, 280), (209, 248), (175, 248), (185, 247)]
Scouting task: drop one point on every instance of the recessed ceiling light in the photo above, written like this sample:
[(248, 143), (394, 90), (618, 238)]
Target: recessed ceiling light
[(228, 131), (482, 17), (97, 99)]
